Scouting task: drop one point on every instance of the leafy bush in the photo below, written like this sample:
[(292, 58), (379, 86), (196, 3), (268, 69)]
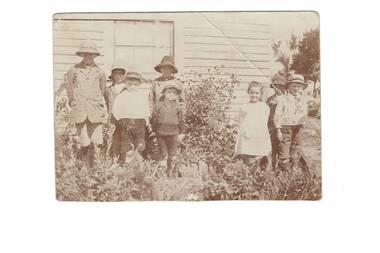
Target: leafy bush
[(238, 181), (315, 109), (209, 132)]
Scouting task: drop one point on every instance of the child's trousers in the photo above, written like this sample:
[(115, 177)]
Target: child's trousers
[(274, 142), (115, 139), (132, 136), (90, 132), (168, 147), (289, 150)]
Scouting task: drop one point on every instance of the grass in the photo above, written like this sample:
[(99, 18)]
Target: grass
[(145, 180)]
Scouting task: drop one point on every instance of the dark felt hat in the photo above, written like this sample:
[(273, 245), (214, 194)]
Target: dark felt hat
[(166, 61), (278, 80)]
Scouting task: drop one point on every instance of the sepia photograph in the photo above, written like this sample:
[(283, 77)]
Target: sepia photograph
[(189, 126), (187, 106)]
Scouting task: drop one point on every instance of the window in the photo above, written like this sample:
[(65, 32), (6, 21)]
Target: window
[(142, 44)]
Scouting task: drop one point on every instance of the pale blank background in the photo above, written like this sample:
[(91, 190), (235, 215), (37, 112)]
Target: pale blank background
[(345, 220)]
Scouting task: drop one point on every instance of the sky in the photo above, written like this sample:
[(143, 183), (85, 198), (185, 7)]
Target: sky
[(284, 24)]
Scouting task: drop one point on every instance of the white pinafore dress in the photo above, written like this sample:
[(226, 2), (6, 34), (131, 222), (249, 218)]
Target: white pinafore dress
[(253, 137)]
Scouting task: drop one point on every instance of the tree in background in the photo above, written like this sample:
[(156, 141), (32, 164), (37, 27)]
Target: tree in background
[(306, 61), (301, 56), (284, 54)]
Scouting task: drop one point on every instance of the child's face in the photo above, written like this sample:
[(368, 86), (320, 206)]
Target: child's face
[(118, 76), (170, 94), (88, 58), (134, 81), (279, 89), (254, 94), (295, 88), (167, 71)]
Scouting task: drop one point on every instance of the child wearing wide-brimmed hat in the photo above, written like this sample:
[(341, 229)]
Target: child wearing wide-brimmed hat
[(118, 72), (168, 123), (86, 88), (132, 110), (289, 117), (167, 69), (253, 140)]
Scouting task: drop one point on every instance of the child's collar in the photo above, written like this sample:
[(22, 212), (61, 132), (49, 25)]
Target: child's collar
[(167, 101), (118, 87), (294, 97), (81, 65), (130, 87), (115, 84), (162, 78)]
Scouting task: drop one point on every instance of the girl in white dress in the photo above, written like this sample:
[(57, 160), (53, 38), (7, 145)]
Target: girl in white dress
[(253, 140)]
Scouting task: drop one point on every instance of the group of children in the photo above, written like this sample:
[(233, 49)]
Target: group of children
[(266, 128), (271, 131), (135, 110)]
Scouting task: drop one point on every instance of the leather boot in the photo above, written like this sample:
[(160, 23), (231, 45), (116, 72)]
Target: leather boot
[(83, 153), (92, 156), (122, 158)]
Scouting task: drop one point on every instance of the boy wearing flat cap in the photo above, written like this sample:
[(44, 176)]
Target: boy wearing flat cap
[(168, 123), (289, 117), (86, 87)]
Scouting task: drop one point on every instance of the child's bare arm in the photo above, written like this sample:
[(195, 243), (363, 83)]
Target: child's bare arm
[(109, 102), (241, 115), (181, 120), (69, 85), (154, 118), (277, 118), (278, 113), (103, 85), (151, 101)]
